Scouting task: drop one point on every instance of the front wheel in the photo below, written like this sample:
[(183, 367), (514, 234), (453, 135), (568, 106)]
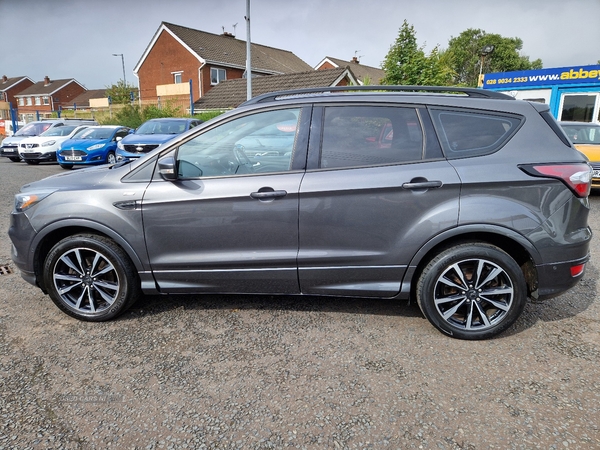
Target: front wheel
[(90, 278), (66, 166), (32, 162), (111, 158), (472, 291)]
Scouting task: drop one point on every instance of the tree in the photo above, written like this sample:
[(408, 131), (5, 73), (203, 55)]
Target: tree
[(407, 64), (120, 93), (465, 51)]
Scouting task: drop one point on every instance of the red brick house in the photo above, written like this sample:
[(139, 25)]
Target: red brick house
[(45, 97), (231, 93), (363, 73), (9, 87), (177, 54)]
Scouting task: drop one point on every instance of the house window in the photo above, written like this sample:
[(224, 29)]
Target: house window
[(46, 100), (177, 77), (21, 101), (217, 75), (38, 101), (29, 102)]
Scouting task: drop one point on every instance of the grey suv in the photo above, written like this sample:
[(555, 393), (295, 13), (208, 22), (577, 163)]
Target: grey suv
[(467, 201)]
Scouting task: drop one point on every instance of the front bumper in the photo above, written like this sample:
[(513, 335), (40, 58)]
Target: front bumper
[(38, 156), (9, 152), (21, 234)]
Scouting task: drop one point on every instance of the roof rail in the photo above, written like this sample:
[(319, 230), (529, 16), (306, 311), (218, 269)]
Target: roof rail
[(327, 90)]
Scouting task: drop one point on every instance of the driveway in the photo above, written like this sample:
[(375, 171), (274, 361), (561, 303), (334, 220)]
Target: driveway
[(263, 372)]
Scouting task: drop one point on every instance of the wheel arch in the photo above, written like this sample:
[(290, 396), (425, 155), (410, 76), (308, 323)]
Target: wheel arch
[(53, 233), (514, 244)]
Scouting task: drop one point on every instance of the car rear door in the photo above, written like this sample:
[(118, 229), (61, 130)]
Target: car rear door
[(370, 199)]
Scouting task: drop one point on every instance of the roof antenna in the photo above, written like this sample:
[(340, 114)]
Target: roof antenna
[(223, 26), (234, 25)]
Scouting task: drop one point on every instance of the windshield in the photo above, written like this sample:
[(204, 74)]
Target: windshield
[(33, 129), (162, 127), (58, 131), (95, 133), (583, 134)]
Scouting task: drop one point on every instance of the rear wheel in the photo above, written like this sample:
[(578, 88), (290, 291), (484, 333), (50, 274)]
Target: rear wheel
[(472, 291), (90, 278)]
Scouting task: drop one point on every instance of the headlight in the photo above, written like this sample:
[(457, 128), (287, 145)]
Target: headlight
[(96, 146), (120, 145), (48, 143), (25, 200)]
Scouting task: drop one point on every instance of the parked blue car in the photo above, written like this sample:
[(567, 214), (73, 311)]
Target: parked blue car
[(151, 134), (93, 145)]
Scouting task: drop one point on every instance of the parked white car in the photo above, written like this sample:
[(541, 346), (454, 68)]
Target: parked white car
[(35, 149)]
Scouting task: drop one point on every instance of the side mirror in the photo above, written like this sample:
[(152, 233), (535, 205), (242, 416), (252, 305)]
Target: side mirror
[(119, 138), (167, 168)]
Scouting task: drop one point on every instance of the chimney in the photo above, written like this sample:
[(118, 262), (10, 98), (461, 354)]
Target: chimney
[(228, 34), (46, 80), (4, 78), (355, 60)]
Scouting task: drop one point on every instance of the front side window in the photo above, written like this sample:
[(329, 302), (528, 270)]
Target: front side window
[(355, 136), (217, 75), (255, 144), (464, 133)]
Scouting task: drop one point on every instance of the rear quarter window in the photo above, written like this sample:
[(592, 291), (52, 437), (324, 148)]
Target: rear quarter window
[(472, 133)]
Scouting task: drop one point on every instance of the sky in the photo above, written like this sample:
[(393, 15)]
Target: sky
[(77, 38)]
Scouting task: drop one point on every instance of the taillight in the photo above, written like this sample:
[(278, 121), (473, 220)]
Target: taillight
[(577, 177)]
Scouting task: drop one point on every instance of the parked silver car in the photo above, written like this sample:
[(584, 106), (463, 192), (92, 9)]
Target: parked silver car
[(466, 201)]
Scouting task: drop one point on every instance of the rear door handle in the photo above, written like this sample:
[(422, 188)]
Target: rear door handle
[(422, 185), (266, 195)]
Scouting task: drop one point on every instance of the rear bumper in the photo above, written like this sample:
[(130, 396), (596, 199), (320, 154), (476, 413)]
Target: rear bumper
[(557, 278)]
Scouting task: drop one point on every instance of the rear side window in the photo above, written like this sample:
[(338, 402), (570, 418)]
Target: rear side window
[(355, 136), (463, 134)]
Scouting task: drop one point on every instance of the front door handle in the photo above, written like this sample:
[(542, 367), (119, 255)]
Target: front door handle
[(267, 195), (415, 185)]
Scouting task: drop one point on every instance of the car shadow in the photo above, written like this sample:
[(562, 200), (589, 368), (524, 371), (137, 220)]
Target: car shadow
[(158, 304), (565, 306)]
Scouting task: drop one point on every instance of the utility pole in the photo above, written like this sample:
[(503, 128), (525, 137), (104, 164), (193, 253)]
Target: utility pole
[(248, 54), (123, 63)]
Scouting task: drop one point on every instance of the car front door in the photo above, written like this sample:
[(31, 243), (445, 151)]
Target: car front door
[(368, 203), (229, 223)]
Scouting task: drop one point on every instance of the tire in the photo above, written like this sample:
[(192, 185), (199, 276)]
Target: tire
[(472, 291), (14, 159), (91, 278), (66, 166), (32, 162), (111, 158)]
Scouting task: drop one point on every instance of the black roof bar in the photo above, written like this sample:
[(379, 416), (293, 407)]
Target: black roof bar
[(307, 92)]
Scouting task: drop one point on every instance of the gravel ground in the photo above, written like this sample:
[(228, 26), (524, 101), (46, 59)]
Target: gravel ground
[(265, 372)]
